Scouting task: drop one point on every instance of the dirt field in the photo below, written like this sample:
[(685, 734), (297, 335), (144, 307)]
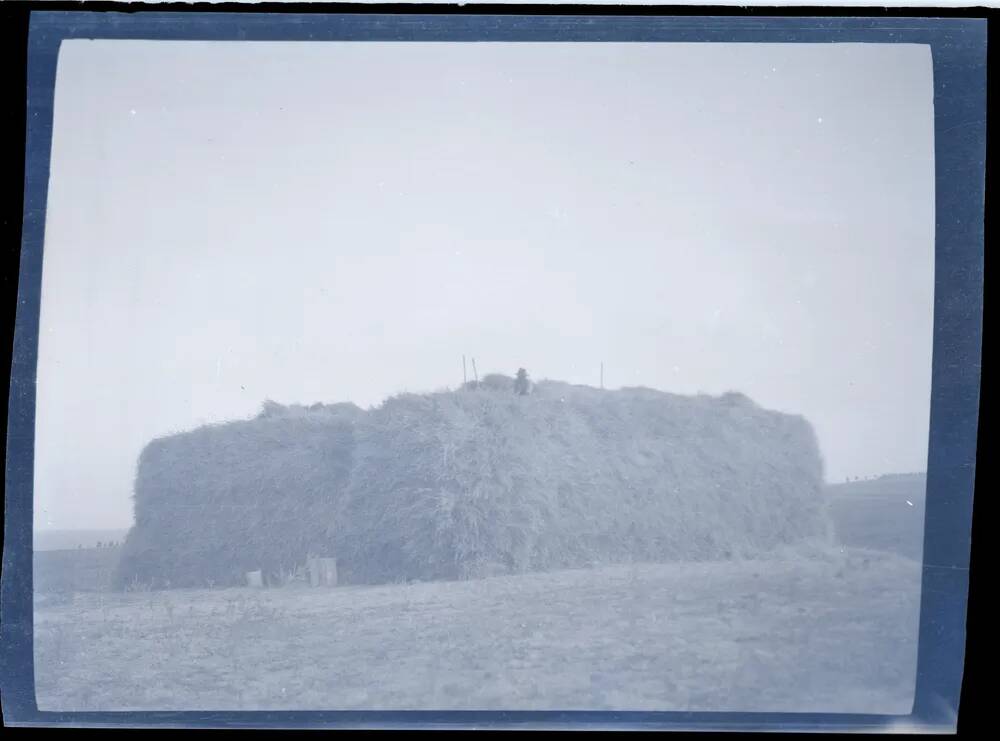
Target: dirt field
[(826, 631)]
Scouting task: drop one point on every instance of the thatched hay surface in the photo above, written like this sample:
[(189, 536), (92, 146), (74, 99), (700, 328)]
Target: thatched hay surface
[(216, 502), (477, 481)]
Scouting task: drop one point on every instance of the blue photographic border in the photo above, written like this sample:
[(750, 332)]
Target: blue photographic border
[(958, 47)]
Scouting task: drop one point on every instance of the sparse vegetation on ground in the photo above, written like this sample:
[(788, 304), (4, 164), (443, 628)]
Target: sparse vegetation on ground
[(803, 632)]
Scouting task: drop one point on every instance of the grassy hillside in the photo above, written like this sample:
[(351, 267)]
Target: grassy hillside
[(886, 513), (900, 486), (476, 481), (74, 570)]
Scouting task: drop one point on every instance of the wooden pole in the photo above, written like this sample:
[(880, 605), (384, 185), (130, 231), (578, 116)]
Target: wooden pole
[(475, 373), (465, 378)]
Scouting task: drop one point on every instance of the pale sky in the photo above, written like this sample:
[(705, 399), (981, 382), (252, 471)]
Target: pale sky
[(230, 222)]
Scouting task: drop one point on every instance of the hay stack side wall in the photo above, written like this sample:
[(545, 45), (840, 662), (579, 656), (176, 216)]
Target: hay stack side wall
[(475, 482), (215, 503), (463, 484)]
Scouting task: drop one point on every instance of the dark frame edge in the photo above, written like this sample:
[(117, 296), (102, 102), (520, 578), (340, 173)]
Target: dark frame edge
[(945, 572)]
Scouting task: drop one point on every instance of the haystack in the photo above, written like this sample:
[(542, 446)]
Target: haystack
[(463, 484), (478, 481), (219, 501)]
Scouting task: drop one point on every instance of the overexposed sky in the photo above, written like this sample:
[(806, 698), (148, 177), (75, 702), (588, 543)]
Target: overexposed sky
[(230, 222)]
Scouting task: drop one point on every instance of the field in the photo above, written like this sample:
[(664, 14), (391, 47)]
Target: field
[(833, 633), (807, 630)]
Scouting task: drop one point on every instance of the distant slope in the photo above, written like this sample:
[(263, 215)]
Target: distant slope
[(58, 540), (74, 570), (885, 514)]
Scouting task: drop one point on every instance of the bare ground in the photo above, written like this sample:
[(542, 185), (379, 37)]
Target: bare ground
[(832, 631)]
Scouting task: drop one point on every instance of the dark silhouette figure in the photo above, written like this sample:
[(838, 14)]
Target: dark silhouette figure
[(521, 382)]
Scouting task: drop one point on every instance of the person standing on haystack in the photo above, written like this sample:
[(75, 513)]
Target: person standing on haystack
[(521, 382)]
